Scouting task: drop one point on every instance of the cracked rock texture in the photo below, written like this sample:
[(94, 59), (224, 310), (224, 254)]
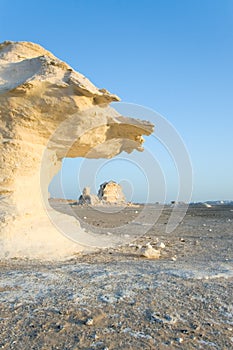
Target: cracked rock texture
[(48, 112)]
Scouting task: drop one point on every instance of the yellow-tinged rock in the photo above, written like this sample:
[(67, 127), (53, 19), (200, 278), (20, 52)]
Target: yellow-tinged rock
[(48, 112), (149, 252)]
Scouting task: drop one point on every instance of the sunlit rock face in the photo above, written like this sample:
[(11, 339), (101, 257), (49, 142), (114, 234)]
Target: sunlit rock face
[(111, 192), (48, 112)]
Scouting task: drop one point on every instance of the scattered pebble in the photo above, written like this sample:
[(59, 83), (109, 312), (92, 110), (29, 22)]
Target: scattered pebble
[(149, 252), (210, 230), (89, 322), (179, 340), (167, 319), (95, 336), (84, 217), (174, 258), (185, 331), (160, 245)]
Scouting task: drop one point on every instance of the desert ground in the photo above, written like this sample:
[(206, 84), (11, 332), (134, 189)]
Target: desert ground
[(116, 299)]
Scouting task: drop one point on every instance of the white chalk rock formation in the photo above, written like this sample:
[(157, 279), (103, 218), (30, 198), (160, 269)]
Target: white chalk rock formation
[(87, 198), (149, 252), (111, 193), (48, 112)]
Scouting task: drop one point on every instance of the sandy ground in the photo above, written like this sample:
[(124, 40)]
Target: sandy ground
[(116, 299)]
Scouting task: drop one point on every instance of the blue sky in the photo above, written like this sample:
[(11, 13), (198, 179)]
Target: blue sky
[(172, 56)]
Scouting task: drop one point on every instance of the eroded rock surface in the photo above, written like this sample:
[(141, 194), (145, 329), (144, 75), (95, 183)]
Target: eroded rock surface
[(48, 112), (111, 192), (87, 198)]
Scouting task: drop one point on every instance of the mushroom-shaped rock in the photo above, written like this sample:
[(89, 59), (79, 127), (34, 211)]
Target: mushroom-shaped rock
[(49, 112)]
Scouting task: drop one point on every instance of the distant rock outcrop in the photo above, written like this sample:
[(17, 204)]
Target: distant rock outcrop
[(49, 112), (111, 192), (87, 198)]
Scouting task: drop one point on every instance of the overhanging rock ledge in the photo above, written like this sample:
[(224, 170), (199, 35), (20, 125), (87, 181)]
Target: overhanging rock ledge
[(48, 111)]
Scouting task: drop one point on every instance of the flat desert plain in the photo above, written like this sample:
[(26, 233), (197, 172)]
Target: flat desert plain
[(116, 299)]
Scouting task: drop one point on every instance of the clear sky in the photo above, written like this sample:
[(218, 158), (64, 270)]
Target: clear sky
[(172, 56)]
